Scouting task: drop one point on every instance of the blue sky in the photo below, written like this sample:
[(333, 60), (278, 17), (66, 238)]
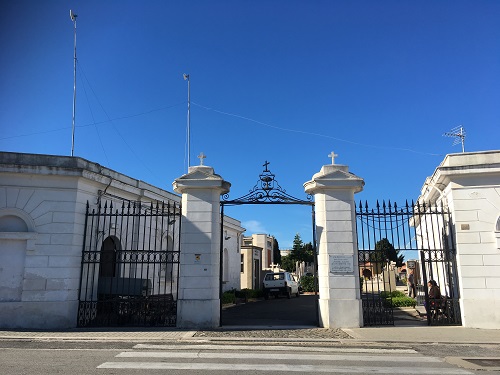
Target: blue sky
[(378, 82)]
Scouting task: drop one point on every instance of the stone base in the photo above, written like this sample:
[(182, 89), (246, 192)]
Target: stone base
[(198, 314), (340, 313), (481, 313), (38, 315)]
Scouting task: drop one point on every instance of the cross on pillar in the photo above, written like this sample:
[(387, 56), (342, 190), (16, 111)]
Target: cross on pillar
[(201, 157), (265, 165), (333, 155)]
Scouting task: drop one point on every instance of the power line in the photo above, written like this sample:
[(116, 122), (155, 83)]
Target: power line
[(311, 133)]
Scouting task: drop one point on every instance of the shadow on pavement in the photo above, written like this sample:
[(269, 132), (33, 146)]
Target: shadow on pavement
[(301, 311)]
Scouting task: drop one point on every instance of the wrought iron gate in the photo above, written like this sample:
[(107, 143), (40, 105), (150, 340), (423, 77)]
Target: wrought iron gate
[(130, 265), (419, 231)]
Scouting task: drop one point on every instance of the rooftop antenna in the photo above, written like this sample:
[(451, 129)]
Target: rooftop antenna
[(186, 78), (73, 18), (459, 134)]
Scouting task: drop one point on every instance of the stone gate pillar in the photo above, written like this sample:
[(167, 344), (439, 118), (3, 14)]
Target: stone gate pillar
[(338, 274), (198, 299)]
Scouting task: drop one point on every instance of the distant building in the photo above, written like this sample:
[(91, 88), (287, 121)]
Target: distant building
[(266, 243), (285, 252), (251, 267)]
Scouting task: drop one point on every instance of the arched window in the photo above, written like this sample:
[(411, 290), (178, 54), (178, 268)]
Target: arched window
[(11, 223)]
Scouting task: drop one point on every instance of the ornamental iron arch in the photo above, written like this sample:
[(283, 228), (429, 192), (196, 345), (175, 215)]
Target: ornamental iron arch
[(267, 190)]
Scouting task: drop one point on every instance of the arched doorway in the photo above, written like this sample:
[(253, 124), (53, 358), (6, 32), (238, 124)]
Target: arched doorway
[(107, 263)]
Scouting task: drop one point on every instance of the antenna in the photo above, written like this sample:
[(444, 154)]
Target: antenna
[(459, 134), (73, 18)]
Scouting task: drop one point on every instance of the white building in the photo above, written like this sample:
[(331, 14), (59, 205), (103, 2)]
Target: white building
[(231, 269), (266, 243), (43, 225), (469, 184)]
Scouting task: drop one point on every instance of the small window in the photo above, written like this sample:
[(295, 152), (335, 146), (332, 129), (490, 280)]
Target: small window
[(242, 263)]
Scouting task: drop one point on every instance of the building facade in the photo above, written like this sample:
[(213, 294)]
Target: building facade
[(469, 185), (266, 243), (43, 213)]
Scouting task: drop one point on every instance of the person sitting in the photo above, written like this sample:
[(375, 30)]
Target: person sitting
[(434, 292), (434, 298)]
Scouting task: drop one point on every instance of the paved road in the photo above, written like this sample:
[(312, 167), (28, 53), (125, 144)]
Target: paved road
[(212, 358), (299, 311)]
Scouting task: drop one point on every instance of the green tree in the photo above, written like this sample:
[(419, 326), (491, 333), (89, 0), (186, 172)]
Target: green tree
[(297, 243), (300, 253), (308, 253), (385, 251), (288, 263), (276, 252)]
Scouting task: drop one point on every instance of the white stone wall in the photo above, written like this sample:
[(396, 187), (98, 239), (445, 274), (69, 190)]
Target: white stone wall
[(232, 254), (49, 195), (469, 183), (47, 270), (476, 210)]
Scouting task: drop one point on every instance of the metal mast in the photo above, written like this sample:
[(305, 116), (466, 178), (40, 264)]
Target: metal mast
[(186, 78), (73, 18)]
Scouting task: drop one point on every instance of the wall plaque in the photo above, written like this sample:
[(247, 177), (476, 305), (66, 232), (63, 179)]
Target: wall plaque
[(341, 263)]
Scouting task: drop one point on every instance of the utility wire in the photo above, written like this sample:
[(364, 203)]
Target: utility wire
[(311, 133), (82, 73)]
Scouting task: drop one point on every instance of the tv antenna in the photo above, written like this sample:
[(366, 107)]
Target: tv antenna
[(459, 134)]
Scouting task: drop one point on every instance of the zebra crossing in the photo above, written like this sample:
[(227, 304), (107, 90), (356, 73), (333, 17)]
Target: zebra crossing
[(262, 358)]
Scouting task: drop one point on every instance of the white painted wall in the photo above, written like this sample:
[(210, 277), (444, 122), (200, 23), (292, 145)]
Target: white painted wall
[(470, 184), (42, 214), (232, 254)]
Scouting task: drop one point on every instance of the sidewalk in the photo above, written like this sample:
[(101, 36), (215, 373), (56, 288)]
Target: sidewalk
[(405, 334)]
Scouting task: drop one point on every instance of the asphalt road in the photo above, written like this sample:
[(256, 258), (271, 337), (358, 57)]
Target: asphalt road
[(301, 311), (49, 358)]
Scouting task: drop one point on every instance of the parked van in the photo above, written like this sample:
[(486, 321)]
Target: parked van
[(280, 283)]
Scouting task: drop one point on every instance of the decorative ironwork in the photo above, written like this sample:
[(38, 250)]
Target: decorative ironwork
[(267, 190), (422, 228), (130, 265)]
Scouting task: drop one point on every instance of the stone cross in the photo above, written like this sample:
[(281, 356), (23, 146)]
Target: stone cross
[(265, 165), (333, 155), (201, 157)]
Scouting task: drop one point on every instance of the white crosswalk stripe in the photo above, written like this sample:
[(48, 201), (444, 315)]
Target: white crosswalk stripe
[(269, 358)]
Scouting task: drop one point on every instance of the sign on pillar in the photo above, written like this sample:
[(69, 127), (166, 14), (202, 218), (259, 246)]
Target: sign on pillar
[(338, 275)]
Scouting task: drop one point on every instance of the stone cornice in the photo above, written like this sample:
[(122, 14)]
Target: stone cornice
[(201, 177), (334, 176)]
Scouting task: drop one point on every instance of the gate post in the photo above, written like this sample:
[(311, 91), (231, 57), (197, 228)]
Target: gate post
[(338, 274), (198, 304)]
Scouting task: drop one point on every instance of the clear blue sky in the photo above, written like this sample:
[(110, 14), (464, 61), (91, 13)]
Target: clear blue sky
[(378, 82)]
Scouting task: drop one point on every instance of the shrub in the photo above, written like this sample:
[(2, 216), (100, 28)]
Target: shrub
[(403, 302), (393, 294), (397, 299), (228, 297), (248, 293), (307, 283)]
